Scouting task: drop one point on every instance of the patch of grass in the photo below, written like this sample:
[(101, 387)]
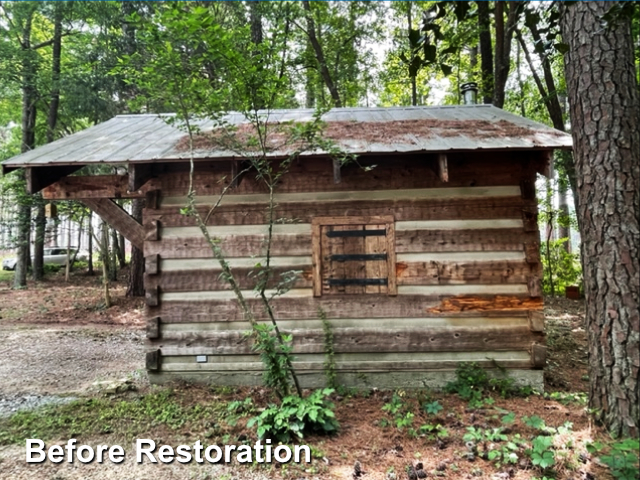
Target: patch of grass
[(127, 417), (6, 276)]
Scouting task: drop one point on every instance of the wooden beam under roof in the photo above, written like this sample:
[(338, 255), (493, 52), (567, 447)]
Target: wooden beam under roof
[(139, 174), (41, 177), (118, 218), (97, 186)]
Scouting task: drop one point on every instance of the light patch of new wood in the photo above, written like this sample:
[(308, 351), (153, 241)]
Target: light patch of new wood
[(182, 264), (229, 295), (305, 228), (427, 290), (355, 361), (460, 224), (443, 322), (452, 257), (227, 230), (309, 197), (463, 289)]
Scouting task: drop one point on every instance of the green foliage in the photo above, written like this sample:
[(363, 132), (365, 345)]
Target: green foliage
[(565, 398), (541, 452), (561, 268), (473, 382), (275, 357), (432, 408), (621, 458), (296, 416), (399, 411), (130, 417)]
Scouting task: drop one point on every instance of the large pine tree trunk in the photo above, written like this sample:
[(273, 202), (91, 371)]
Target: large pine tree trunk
[(605, 114), (136, 266)]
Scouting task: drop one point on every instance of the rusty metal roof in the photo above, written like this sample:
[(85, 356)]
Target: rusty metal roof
[(148, 138)]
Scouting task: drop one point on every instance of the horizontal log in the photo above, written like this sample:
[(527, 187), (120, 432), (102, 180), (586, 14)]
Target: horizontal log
[(515, 319), (95, 186), (437, 291), (356, 340), (432, 378), (342, 367), (400, 171), (351, 195), (204, 280), (452, 272), (357, 306), (402, 210), (407, 241)]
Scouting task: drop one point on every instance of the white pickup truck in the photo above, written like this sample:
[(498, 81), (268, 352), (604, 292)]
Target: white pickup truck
[(52, 256)]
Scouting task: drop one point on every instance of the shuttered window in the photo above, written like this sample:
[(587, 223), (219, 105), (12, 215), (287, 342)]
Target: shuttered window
[(354, 255)]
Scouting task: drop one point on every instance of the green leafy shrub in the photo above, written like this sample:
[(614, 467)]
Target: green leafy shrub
[(472, 382), (561, 268), (296, 416)]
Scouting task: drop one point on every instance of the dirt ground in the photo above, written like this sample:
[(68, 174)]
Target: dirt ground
[(58, 339)]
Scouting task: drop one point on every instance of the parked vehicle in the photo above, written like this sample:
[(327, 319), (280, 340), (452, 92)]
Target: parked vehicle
[(52, 256)]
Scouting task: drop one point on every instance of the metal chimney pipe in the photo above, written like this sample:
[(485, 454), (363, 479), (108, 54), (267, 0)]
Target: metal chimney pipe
[(469, 92)]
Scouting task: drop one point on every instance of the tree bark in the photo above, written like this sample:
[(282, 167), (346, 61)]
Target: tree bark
[(605, 114), (38, 244), (136, 265), (90, 247), (414, 87), (486, 52), (504, 34), (29, 113), (317, 48)]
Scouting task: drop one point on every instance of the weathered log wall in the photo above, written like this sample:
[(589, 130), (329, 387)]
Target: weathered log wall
[(466, 266)]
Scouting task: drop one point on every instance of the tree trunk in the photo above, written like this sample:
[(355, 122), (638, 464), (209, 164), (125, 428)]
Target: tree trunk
[(136, 266), (414, 86), (504, 34), (605, 114), (113, 261), (486, 52), (38, 244), (105, 264), (52, 117), (122, 260), (29, 113), (317, 48), (90, 247)]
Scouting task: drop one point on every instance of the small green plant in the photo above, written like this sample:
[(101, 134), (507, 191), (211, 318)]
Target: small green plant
[(401, 415), (622, 458), (541, 452), (296, 416), (472, 382), (275, 355), (432, 408), (238, 409), (565, 398)]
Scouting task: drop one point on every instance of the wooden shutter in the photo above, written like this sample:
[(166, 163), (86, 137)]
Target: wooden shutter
[(354, 255)]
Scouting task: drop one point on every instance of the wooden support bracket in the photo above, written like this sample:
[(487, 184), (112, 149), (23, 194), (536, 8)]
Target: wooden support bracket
[(152, 264), (92, 186), (139, 174), (41, 177), (153, 328), (538, 356), (536, 320), (153, 360), (114, 215), (152, 297)]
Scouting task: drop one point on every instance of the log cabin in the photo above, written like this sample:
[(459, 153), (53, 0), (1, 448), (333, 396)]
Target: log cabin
[(420, 255)]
